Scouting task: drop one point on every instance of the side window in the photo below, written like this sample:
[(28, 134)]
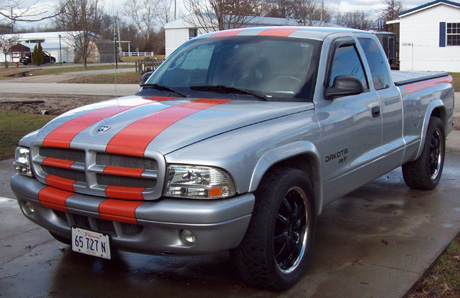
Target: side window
[(377, 63), (347, 63)]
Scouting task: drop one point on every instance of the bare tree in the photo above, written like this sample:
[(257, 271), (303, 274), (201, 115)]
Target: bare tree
[(307, 11), (391, 12), (6, 42), (213, 15), (144, 14), (164, 12), (356, 20), (25, 11), (82, 18), (278, 9)]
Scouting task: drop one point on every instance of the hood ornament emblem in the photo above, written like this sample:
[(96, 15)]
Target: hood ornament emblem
[(103, 128)]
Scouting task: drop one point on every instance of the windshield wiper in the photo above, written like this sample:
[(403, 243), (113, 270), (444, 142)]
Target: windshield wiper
[(227, 89), (164, 88)]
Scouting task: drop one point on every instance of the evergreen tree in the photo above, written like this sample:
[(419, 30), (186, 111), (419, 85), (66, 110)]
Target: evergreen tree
[(37, 55)]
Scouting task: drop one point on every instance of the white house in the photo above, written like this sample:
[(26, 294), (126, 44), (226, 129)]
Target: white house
[(430, 37), (179, 31), (59, 44)]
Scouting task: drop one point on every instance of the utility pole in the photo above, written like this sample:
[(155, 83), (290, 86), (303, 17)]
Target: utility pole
[(115, 51), (12, 20), (119, 35), (322, 8)]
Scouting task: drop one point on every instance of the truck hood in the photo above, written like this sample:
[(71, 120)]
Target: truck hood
[(135, 125)]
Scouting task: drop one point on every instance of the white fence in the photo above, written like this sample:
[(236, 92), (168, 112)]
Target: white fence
[(137, 54)]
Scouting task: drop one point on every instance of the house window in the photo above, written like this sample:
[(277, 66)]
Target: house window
[(192, 32), (453, 34), (35, 41)]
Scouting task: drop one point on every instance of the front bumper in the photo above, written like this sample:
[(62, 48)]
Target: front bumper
[(152, 227)]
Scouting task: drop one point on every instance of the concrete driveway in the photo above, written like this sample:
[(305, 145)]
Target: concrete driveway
[(375, 242)]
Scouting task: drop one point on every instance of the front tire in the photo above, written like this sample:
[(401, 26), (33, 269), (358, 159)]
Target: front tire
[(425, 172), (276, 248)]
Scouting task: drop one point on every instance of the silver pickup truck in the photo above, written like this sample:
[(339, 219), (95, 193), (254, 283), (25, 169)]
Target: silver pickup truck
[(235, 143)]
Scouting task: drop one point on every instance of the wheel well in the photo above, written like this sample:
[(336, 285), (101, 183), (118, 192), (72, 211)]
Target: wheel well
[(310, 166), (441, 114)]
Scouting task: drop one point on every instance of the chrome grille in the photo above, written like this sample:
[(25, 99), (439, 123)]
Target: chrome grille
[(91, 172)]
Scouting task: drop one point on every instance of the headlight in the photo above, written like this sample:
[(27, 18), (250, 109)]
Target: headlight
[(22, 161), (198, 182)]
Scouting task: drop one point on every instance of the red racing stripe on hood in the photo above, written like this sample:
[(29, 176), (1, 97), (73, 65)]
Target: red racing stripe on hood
[(135, 138), (63, 135)]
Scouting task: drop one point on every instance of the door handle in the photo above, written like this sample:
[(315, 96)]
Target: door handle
[(375, 112)]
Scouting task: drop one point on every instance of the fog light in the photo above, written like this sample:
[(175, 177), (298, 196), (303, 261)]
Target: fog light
[(188, 237), (28, 208)]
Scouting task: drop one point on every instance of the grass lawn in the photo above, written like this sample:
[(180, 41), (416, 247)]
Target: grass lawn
[(11, 71), (132, 59), (121, 78), (456, 76), (14, 125), (444, 279)]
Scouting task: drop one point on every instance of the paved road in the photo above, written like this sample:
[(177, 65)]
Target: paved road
[(69, 89), (46, 84), (375, 242)]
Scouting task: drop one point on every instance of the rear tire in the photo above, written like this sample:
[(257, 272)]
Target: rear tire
[(425, 172), (275, 251)]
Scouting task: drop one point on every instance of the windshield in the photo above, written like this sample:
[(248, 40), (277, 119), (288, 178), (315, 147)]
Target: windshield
[(278, 68)]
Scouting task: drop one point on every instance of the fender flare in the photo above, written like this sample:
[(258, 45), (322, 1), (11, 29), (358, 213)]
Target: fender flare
[(435, 104), (284, 152)]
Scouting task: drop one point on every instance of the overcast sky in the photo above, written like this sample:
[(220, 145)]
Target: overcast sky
[(370, 7)]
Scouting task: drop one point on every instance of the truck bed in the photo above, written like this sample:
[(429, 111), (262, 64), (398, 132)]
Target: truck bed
[(406, 77)]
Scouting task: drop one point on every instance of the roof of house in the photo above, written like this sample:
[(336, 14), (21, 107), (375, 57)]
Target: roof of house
[(19, 48), (429, 5)]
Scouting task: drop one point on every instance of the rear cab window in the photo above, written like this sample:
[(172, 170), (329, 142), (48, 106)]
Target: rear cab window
[(377, 63)]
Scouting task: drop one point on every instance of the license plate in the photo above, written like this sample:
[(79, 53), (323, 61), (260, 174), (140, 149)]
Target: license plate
[(90, 243)]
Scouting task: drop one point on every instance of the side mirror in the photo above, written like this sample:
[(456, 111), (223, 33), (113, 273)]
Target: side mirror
[(145, 77), (344, 86)]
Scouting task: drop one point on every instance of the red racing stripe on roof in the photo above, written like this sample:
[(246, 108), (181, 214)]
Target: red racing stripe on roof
[(135, 138), (54, 198), (227, 33), (63, 135), (283, 32), (121, 211)]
